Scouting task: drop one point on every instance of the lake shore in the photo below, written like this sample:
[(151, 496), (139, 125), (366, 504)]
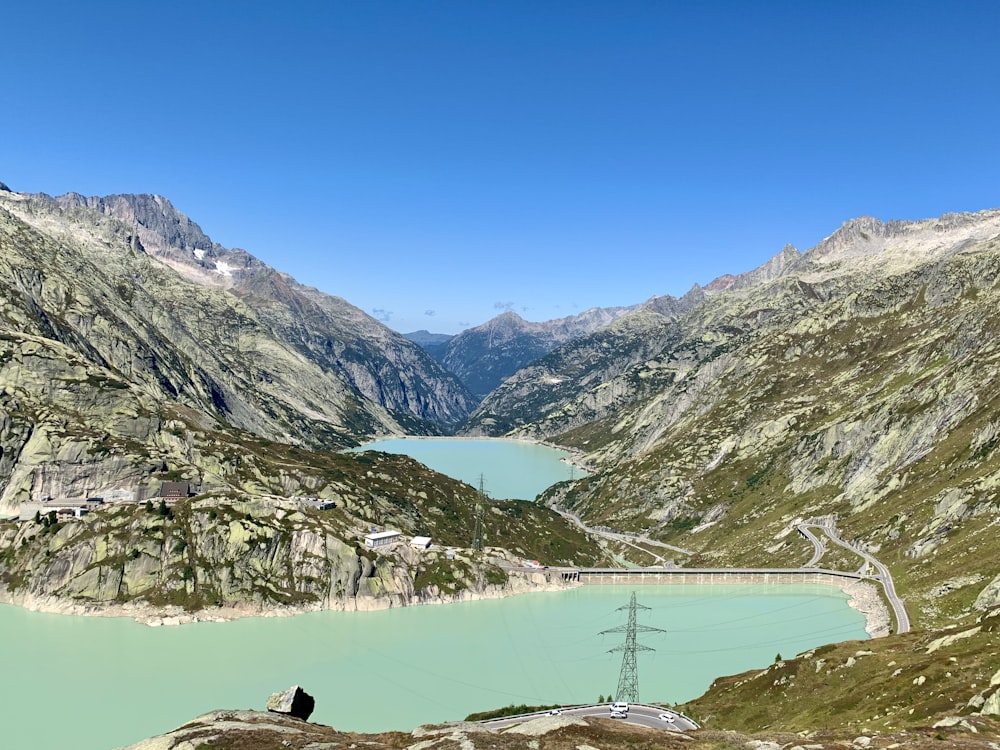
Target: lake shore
[(573, 457), (863, 597), (866, 599), (155, 616)]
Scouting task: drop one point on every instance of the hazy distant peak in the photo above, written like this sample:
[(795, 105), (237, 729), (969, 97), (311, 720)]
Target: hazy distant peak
[(423, 337), (508, 316)]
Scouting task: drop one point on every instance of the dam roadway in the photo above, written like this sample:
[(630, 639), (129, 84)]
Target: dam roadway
[(707, 576), (809, 573)]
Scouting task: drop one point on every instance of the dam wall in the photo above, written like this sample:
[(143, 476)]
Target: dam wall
[(699, 576)]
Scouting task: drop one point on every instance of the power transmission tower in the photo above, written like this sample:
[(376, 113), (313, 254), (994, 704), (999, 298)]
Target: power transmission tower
[(477, 536), (628, 680)]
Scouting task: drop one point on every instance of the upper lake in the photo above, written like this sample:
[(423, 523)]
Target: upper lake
[(510, 469)]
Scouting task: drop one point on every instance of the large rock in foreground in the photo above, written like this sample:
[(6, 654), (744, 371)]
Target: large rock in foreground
[(295, 702)]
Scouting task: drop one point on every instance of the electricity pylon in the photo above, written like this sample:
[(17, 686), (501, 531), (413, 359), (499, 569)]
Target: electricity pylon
[(628, 680), (477, 535)]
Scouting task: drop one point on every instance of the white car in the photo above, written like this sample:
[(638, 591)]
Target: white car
[(619, 715), (555, 711), (668, 717), (620, 706)]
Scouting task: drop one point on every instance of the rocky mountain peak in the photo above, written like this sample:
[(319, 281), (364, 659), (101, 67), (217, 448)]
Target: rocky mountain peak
[(860, 231), (171, 237), (902, 244), (353, 375), (506, 318), (4, 188), (776, 266)]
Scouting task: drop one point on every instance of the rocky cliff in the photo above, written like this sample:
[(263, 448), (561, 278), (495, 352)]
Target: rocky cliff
[(243, 312), (225, 555)]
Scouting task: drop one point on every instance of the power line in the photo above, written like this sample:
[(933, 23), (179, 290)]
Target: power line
[(628, 680)]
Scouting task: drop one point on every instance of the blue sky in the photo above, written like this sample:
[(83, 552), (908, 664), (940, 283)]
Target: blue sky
[(435, 163)]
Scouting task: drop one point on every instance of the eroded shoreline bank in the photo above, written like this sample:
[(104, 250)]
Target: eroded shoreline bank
[(866, 599), (147, 614), (863, 596)]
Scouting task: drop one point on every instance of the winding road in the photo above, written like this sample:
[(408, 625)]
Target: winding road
[(638, 713), (884, 576), (826, 525), (619, 536)]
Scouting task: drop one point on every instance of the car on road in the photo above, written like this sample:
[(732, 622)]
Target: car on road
[(555, 711), (619, 706), (668, 717), (619, 714)]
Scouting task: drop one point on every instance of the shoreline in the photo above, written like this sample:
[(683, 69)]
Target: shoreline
[(156, 616), (863, 596), (573, 457)]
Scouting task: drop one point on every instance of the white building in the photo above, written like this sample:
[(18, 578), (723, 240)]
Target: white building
[(421, 542), (64, 510), (381, 538)]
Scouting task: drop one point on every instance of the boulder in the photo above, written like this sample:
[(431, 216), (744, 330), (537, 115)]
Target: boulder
[(992, 705), (294, 702), (989, 596)]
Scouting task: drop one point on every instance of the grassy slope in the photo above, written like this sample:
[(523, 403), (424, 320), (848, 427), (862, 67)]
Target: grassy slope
[(885, 685)]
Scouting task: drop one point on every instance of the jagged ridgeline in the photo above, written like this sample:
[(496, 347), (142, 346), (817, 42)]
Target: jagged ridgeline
[(859, 378)]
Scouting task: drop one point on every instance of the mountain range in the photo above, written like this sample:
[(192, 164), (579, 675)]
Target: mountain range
[(856, 381)]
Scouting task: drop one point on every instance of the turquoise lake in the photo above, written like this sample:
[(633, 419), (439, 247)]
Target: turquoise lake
[(96, 683), (511, 469)]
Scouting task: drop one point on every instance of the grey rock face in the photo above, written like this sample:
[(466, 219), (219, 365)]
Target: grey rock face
[(295, 702), (326, 332)]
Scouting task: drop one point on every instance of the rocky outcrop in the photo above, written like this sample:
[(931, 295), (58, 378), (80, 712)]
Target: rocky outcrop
[(216, 557), (989, 596), (889, 683)]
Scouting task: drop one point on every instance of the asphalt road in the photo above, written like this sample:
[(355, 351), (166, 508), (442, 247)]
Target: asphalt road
[(629, 539), (643, 715), (884, 576)]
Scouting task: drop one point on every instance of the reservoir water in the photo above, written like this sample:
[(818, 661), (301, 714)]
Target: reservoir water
[(511, 469), (96, 683)]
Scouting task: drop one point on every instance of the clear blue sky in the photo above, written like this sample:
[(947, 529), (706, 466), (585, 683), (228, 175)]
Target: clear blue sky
[(437, 162)]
